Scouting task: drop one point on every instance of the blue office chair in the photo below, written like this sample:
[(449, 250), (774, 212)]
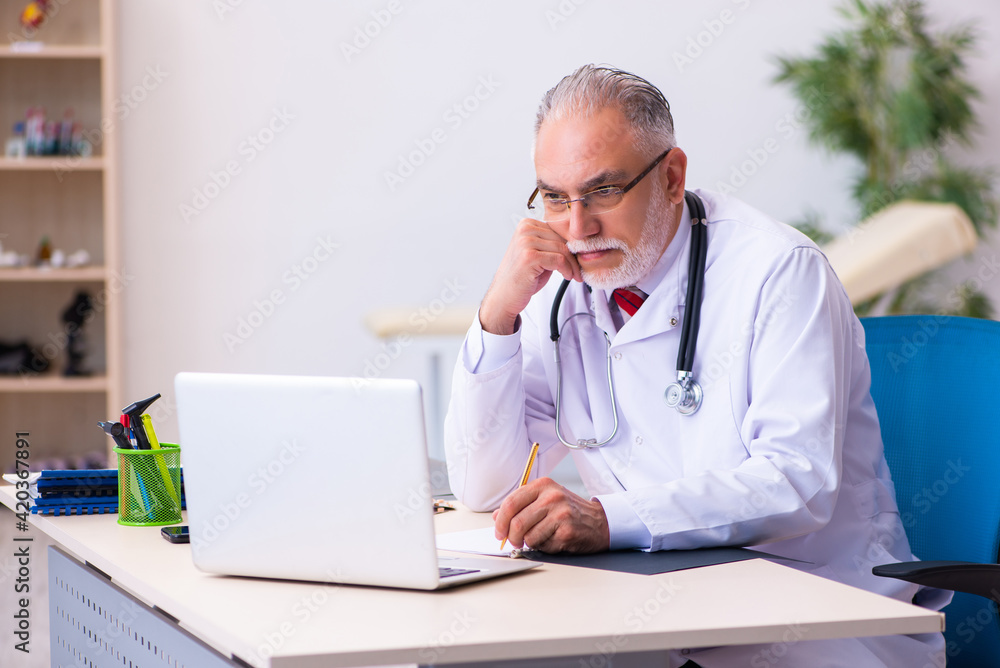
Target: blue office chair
[(936, 386)]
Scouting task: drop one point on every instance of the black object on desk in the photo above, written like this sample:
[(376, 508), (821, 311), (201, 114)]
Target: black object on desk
[(652, 563)]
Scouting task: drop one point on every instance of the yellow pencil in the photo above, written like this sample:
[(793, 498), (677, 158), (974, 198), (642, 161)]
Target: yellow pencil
[(524, 476)]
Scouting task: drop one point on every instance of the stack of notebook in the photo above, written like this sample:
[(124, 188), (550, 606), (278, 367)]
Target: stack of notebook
[(77, 492)]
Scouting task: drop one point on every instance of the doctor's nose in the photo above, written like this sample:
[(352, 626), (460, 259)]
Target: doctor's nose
[(582, 223)]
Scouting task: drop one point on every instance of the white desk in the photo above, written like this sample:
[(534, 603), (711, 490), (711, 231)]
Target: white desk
[(549, 611)]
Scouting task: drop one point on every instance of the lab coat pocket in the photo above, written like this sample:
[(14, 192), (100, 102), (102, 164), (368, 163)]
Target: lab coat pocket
[(710, 437), (873, 497)]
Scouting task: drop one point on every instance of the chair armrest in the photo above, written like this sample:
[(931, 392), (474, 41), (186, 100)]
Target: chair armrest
[(971, 578)]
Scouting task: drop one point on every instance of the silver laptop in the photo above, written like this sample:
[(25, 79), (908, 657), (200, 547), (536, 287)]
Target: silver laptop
[(314, 478)]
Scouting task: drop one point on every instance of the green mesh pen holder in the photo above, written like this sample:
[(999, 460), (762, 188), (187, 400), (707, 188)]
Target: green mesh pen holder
[(149, 486)]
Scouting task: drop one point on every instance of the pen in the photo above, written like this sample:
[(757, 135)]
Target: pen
[(129, 434), (524, 476)]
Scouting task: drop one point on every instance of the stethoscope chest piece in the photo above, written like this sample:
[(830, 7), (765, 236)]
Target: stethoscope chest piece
[(685, 395)]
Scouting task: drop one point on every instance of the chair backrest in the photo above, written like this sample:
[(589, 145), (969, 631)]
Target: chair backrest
[(936, 386)]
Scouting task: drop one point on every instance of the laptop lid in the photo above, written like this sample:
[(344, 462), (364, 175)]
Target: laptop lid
[(307, 478)]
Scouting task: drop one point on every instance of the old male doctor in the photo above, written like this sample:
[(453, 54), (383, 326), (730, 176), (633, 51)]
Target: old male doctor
[(785, 447)]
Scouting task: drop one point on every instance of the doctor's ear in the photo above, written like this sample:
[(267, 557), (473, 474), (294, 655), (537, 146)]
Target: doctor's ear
[(672, 173)]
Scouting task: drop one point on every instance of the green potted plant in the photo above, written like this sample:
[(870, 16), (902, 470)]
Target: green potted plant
[(889, 92)]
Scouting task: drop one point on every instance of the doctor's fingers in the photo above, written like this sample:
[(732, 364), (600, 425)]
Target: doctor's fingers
[(557, 260), (534, 241), (526, 522), (516, 502), (570, 527)]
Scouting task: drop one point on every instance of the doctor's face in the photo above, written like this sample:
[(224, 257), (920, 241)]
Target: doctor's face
[(574, 156)]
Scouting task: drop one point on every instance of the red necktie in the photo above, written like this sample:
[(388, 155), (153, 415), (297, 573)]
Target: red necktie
[(628, 301)]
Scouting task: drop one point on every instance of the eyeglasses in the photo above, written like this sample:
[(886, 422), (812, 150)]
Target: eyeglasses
[(599, 200)]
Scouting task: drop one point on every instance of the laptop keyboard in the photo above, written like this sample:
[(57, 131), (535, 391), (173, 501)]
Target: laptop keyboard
[(451, 572)]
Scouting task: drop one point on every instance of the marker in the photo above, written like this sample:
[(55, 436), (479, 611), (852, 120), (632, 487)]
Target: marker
[(127, 424), (154, 442)]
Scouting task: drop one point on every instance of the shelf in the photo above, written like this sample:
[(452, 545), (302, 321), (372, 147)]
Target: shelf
[(53, 384), (62, 51), (34, 274), (56, 163), (70, 63)]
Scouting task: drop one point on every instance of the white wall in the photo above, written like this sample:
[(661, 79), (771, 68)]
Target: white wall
[(323, 175)]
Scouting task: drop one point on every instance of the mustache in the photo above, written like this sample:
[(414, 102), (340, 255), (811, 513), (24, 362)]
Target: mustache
[(594, 245)]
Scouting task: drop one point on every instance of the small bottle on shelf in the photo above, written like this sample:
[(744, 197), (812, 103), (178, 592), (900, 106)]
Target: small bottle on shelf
[(44, 253), (16, 146)]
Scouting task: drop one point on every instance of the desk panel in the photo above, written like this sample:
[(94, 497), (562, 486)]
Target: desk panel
[(548, 611), (93, 623)]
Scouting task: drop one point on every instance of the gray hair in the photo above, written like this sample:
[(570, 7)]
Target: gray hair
[(591, 89)]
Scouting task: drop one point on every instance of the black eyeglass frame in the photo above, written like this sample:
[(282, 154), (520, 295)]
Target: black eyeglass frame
[(631, 184)]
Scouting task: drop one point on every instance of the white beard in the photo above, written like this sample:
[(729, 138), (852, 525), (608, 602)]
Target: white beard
[(636, 262)]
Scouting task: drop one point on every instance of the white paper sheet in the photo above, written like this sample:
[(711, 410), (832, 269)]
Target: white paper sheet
[(474, 541)]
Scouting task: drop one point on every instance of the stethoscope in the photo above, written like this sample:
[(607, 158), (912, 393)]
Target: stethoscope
[(684, 395)]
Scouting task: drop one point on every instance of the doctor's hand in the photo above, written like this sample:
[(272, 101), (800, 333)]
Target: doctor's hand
[(550, 518), (534, 253)]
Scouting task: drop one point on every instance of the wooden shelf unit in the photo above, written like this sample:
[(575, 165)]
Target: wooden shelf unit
[(69, 63), (45, 384), (68, 51), (55, 164)]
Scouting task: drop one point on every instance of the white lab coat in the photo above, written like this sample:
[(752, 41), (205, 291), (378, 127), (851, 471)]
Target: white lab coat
[(784, 451)]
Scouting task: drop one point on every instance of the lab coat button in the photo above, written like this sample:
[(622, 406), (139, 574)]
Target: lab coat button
[(673, 322), (638, 440), (618, 356), (685, 652)]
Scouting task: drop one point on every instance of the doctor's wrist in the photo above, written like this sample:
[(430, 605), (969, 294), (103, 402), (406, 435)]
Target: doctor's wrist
[(499, 325)]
